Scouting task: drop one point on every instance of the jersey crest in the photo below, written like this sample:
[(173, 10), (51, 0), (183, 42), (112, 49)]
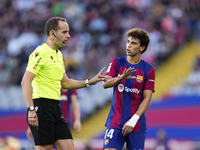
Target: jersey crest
[(139, 78), (106, 141)]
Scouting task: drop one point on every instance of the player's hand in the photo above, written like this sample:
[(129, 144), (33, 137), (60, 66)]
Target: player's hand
[(98, 77), (77, 126), (32, 118), (130, 124), (127, 73), (127, 129), (29, 134)]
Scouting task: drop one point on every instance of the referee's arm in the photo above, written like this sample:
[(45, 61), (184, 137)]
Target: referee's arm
[(67, 83), (26, 87), (27, 92)]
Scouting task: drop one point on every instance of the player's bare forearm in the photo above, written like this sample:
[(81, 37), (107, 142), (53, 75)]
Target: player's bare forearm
[(130, 124), (77, 114), (75, 108), (145, 103), (29, 134), (111, 81)]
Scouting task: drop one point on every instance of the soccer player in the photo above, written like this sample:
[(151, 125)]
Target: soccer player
[(69, 102), (132, 79), (44, 77)]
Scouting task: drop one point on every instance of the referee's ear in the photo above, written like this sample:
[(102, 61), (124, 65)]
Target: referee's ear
[(52, 34)]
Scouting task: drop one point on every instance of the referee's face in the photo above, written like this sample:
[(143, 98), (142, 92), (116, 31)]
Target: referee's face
[(62, 34)]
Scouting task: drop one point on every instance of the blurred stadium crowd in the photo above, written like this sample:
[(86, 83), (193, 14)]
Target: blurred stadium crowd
[(191, 84), (97, 31)]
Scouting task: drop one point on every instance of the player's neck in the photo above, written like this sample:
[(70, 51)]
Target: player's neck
[(134, 59)]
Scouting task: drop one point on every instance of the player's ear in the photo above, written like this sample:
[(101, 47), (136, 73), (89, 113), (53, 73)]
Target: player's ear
[(142, 48)]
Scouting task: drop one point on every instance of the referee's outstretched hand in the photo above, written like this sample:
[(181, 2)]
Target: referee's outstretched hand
[(98, 77)]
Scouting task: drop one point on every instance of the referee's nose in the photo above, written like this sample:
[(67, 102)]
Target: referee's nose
[(67, 35)]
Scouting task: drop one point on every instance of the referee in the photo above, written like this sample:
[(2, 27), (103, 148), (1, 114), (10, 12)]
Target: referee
[(44, 77)]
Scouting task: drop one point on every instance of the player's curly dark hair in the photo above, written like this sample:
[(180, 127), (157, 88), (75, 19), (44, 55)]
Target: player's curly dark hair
[(140, 34), (52, 24)]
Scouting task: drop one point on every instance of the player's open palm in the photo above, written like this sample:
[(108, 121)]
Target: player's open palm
[(128, 72)]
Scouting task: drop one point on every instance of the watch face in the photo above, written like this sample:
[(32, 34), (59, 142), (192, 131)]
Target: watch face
[(31, 108), (86, 83)]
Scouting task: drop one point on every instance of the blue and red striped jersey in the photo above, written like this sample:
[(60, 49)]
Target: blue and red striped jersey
[(128, 94), (65, 104)]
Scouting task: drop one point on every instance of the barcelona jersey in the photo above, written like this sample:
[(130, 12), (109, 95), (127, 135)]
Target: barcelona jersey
[(128, 94), (65, 104)]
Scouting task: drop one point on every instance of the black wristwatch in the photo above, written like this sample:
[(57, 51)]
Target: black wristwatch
[(31, 108)]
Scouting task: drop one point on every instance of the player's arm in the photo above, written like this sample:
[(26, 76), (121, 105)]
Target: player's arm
[(27, 92), (29, 134), (147, 95), (129, 125), (114, 81), (77, 114), (68, 83), (111, 81)]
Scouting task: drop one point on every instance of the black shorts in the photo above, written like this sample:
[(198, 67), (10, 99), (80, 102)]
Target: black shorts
[(52, 125)]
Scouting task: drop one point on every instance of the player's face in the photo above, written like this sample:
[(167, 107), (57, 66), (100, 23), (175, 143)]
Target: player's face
[(133, 47), (62, 33)]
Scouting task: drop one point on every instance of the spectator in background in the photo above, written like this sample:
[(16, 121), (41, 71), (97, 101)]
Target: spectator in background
[(161, 140), (192, 82), (169, 23)]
